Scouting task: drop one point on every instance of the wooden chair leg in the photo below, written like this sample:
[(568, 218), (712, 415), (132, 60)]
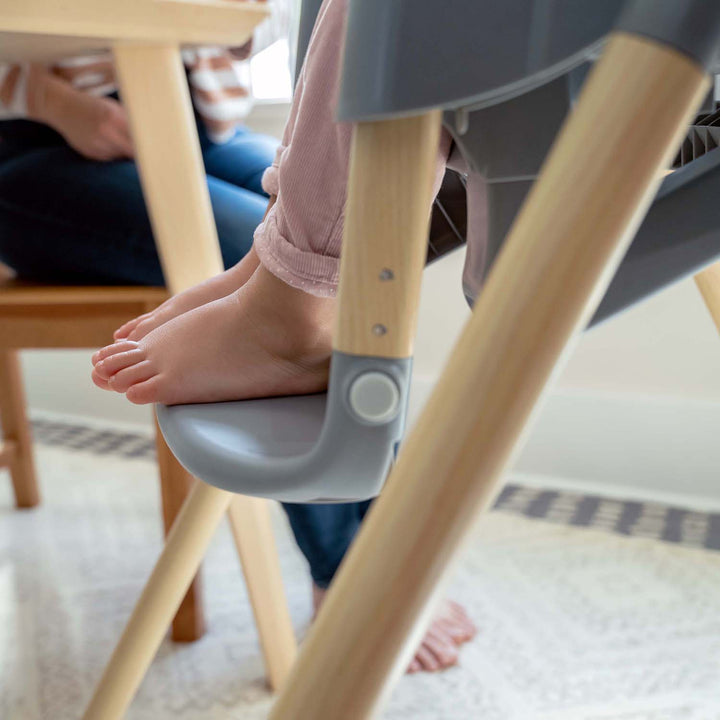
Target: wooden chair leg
[(708, 282), (558, 258), (186, 544), (175, 484), (17, 438)]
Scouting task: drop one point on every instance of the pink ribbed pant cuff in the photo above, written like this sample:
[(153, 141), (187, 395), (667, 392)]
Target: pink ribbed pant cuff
[(301, 238), (301, 269)]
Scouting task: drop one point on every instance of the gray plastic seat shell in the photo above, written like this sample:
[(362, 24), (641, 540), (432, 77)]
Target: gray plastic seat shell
[(476, 53)]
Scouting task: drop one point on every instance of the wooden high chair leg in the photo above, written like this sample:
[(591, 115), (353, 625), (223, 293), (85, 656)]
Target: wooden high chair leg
[(16, 446), (184, 549), (558, 258), (255, 543), (708, 282)]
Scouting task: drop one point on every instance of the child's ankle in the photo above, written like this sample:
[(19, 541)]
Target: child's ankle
[(304, 322)]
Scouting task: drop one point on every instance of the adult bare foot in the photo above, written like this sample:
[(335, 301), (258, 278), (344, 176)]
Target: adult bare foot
[(439, 649), (262, 340), (213, 289)]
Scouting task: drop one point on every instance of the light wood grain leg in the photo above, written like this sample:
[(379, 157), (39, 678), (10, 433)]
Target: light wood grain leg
[(708, 282), (154, 89), (16, 447), (188, 624), (186, 544), (155, 92), (559, 257), (392, 168), (258, 554)]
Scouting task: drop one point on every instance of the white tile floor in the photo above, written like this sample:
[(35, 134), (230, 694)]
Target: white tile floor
[(575, 624)]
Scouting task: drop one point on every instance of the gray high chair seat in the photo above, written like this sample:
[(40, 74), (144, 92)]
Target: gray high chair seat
[(506, 75)]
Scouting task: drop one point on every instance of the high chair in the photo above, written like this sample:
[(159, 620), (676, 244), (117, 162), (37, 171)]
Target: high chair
[(504, 78), (145, 36)]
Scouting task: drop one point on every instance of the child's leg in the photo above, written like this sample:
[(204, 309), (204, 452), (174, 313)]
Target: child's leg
[(233, 278), (270, 337), (273, 335)]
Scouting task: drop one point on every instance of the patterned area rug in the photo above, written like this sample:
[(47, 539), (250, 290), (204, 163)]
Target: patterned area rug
[(576, 623), (653, 520)]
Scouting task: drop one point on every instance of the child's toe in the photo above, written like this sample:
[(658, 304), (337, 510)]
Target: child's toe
[(119, 361), (124, 330), (146, 392), (123, 380), (142, 329), (100, 381), (116, 347)]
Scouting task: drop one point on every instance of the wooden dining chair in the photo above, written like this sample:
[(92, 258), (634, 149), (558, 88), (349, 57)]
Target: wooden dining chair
[(145, 36), (36, 316), (46, 317)]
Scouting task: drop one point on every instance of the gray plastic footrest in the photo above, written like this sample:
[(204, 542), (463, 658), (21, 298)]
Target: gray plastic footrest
[(334, 447)]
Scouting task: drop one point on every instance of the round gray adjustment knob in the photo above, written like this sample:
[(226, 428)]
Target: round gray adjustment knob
[(374, 397)]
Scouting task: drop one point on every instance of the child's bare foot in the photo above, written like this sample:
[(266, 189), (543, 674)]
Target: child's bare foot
[(213, 289), (261, 340), (439, 649)]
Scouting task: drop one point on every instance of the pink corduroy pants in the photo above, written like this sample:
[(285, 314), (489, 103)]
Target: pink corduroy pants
[(301, 239)]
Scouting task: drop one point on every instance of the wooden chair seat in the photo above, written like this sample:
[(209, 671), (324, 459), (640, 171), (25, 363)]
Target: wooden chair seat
[(46, 316)]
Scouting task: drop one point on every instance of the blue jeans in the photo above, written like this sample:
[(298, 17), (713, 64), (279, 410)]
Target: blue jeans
[(66, 219), (324, 534)]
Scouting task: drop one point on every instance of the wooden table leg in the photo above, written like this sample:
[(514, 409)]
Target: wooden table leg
[(16, 435), (556, 263)]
